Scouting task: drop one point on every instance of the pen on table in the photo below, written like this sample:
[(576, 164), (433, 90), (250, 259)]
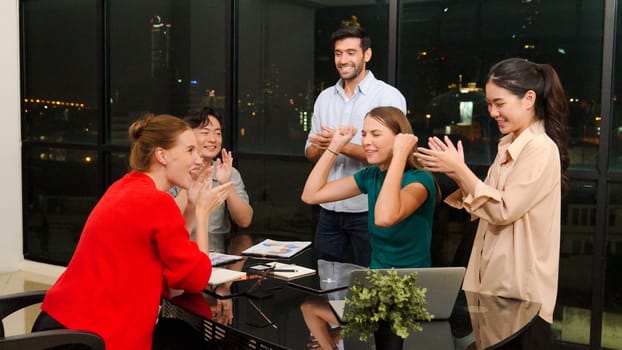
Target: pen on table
[(272, 268)]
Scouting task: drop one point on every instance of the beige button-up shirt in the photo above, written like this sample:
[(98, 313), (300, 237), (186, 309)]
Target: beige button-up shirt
[(516, 249)]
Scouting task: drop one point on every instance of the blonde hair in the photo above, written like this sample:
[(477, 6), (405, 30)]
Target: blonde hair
[(151, 132)]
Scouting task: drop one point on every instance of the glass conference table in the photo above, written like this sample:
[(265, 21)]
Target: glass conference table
[(267, 316)]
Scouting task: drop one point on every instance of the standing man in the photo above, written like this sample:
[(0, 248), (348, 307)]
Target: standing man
[(344, 223)]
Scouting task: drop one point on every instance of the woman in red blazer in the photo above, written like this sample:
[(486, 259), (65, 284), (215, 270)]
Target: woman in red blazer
[(135, 242)]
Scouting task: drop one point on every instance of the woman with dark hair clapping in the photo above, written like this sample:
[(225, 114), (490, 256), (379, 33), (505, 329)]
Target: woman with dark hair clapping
[(516, 249)]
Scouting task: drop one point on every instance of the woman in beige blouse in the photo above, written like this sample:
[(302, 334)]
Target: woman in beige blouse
[(516, 249)]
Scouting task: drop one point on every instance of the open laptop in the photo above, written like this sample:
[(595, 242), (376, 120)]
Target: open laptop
[(442, 284)]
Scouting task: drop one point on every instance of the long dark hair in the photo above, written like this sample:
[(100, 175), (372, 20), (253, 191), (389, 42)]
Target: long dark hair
[(518, 76)]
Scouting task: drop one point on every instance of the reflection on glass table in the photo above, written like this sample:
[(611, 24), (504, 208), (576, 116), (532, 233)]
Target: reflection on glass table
[(272, 319), (332, 276), (496, 320)]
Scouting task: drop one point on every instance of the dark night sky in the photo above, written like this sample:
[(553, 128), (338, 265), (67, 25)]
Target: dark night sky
[(61, 50)]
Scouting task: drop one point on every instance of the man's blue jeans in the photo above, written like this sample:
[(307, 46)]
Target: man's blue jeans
[(337, 232)]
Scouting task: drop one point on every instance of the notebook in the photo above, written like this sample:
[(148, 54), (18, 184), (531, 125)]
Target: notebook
[(220, 276), (442, 283), (270, 248), (220, 259)]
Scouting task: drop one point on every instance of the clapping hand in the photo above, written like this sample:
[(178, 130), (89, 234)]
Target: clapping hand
[(204, 174), (441, 156), (224, 167), (210, 198)]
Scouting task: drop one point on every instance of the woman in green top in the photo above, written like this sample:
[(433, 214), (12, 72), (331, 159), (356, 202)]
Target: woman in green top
[(401, 197), (401, 202)]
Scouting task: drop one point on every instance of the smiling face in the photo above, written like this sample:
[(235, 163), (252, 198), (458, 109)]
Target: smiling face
[(513, 114), (209, 139), (182, 161), (350, 60), (377, 141)]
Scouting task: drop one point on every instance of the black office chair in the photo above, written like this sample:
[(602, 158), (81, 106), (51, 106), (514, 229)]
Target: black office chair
[(42, 339)]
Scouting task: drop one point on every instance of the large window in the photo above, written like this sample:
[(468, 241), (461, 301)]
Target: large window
[(165, 57), (61, 110), (159, 57), (612, 303), (61, 92)]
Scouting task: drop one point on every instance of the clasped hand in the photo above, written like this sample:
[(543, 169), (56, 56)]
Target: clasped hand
[(322, 139), (342, 137)]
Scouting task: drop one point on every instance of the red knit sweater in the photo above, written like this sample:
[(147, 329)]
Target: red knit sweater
[(134, 237)]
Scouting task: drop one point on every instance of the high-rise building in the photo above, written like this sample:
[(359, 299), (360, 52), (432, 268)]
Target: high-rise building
[(160, 45)]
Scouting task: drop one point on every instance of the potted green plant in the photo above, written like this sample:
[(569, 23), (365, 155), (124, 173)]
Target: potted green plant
[(389, 303)]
